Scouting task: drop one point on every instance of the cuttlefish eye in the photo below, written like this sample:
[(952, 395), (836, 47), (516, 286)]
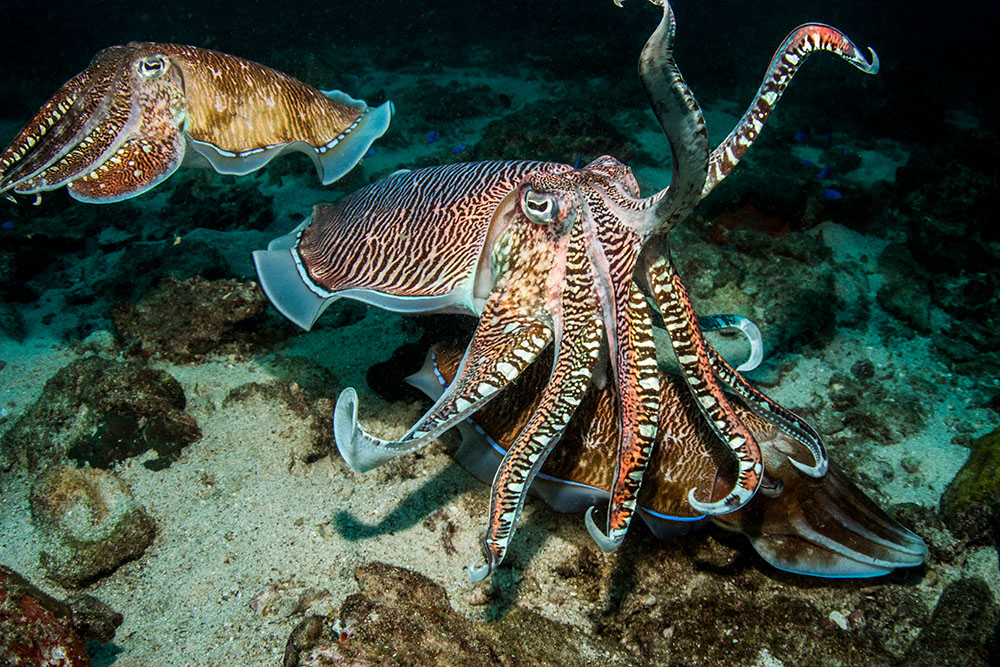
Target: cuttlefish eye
[(152, 67), (539, 207)]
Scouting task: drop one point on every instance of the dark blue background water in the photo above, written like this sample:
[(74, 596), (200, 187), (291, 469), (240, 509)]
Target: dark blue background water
[(935, 56)]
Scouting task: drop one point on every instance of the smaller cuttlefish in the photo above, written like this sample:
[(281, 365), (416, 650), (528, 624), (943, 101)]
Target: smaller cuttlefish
[(130, 119), (825, 527)]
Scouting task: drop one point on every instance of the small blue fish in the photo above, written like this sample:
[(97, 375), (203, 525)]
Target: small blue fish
[(371, 152), (432, 136), (828, 138), (808, 163), (823, 174), (831, 194), (801, 137), (10, 224), (458, 148), (843, 151), (579, 161)]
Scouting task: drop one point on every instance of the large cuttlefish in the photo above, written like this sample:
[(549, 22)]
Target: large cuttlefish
[(138, 111), (548, 255), (823, 526)]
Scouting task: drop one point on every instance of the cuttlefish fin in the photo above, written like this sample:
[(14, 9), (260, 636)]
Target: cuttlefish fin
[(139, 164), (332, 160)]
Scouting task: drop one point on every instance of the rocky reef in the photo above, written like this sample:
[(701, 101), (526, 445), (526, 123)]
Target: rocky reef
[(89, 522), (38, 629), (99, 411)]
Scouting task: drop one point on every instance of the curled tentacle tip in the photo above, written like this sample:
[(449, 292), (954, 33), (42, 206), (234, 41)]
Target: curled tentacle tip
[(873, 65), (359, 450), (606, 544), (816, 470), (734, 501), (477, 573), (756, 341), (345, 424)]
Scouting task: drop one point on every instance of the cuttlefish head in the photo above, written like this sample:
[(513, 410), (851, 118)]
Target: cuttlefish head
[(111, 132), (131, 118)]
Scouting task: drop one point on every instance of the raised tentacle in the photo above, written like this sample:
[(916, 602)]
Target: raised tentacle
[(504, 344), (680, 117), (767, 409), (638, 413), (574, 363), (693, 358), (800, 43)]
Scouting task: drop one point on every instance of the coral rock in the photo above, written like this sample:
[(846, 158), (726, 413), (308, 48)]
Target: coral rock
[(184, 320), (969, 505), (37, 629), (401, 617), (100, 411), (90, 523)]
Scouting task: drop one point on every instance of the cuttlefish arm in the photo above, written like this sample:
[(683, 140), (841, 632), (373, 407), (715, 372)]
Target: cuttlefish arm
[(824, 527), (701, 366), (693, 357), (789, 56), (127, 122), (504, 344)]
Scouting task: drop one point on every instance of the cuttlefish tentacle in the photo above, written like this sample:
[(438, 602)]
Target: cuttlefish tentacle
[(576, 355), (683, 123), (637, 413), (541, 262), (691, 350), (745, 326), (799, 45), (504, 344), (611, 209), (620, 224), (786, 420)]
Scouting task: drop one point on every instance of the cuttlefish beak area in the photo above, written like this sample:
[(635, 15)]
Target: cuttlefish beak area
[(139, 111)]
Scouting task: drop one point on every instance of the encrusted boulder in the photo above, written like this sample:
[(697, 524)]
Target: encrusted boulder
[(185, 320), (970, 505), (401, 617), (99, 411), (37, 629), (90, 524)]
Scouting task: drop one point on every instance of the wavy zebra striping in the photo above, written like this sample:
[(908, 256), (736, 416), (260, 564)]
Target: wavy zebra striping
[(551, 257)]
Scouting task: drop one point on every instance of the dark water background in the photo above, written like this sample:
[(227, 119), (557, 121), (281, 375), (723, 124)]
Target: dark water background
[(935, 56)]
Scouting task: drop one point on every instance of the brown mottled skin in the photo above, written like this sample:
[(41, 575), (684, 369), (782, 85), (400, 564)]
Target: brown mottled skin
[(238, 105), (686, 453)]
